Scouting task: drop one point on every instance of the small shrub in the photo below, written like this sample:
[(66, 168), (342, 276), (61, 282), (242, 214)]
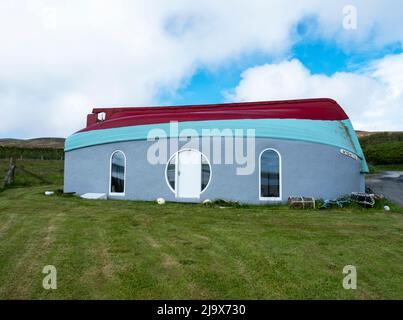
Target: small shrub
[(223, 203)]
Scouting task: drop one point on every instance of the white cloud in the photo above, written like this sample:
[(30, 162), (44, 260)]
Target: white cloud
[(373, 97), (59, 59)]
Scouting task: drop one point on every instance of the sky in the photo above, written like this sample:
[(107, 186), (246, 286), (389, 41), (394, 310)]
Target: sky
[(59, 59)]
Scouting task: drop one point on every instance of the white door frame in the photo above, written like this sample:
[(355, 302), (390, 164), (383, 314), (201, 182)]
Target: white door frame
[(177, 177)]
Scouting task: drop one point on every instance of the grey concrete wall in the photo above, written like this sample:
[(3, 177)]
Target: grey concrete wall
[(308, 169)]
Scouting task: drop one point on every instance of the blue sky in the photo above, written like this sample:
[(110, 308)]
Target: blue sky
[(60, 59), (320, 56)]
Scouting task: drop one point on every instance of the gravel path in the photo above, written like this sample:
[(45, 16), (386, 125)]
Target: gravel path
[(388, 183)]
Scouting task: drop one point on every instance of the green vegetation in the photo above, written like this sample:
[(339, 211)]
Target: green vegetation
[(54, 143), (31, 153), (381, 137), (140, 250), (385, 153), (384, 148), (385, 167), (50, 171)]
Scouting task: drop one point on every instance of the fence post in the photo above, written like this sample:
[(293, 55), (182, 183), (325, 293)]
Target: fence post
[(9, 178)]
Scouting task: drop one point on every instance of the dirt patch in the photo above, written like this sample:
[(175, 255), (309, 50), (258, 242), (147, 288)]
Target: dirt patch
[(169, 261), (4, 227), (196, 292), (107, 264), (48, 240), (152, 242), (104, 256), (201, 237), (51, 230), (148, 220)]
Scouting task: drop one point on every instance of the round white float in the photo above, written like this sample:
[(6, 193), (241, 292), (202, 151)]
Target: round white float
[(160, 200)]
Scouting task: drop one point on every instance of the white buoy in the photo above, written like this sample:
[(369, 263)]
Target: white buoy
[(387, 208), (160, 200)]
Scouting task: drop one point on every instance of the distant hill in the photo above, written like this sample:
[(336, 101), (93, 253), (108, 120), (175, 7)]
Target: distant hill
[(361, 134), (38, 143)]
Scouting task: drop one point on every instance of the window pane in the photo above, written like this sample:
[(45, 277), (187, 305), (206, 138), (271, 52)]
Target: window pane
[(205, 178), (171, 172), (118, 173), (270, 174)]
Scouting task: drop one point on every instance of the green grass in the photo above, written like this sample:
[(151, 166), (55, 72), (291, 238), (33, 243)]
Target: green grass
[(51, 170), (20, 152), (139, 250), (385, 167)]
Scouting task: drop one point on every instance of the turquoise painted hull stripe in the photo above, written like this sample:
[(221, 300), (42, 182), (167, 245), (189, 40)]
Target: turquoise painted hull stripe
[(334, 133)]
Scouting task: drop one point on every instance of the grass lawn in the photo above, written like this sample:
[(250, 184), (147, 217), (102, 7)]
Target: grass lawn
[(139, 250), (52, 170), (385, 167)]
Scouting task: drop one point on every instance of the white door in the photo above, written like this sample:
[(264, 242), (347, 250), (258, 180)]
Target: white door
[(188, 174)]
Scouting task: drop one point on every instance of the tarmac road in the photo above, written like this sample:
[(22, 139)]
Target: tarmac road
[(388, 183)]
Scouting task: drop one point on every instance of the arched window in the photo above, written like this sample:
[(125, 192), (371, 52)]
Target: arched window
[(118, 173), (270, 175)]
